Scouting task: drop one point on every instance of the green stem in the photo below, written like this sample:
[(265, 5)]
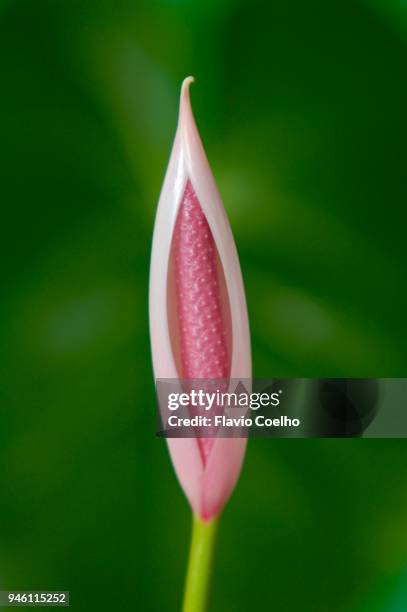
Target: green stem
[(199, 565)]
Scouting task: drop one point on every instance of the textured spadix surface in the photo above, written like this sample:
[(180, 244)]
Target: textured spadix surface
[(198, 317), (202, 328)]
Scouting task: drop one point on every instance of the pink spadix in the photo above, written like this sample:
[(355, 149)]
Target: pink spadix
[(198, 317), (202, 330)]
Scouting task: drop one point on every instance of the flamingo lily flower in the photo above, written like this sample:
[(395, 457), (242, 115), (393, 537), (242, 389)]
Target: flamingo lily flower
[(198, 317)]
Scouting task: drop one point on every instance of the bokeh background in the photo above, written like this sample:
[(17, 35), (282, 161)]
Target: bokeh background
[(302, 110)]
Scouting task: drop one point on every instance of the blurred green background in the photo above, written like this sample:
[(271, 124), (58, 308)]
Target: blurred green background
[(302, 110)]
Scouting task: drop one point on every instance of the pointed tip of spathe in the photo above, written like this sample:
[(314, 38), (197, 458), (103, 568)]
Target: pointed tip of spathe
[(186, 118), (185, 102), (185, 85)]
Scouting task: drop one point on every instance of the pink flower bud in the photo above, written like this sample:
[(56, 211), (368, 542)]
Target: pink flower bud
[(198, 317)]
